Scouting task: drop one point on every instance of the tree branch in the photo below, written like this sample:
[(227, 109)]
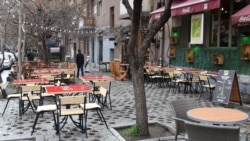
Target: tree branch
[(157, 25), (128, 7)]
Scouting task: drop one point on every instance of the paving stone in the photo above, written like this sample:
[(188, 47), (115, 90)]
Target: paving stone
[(122, 113)]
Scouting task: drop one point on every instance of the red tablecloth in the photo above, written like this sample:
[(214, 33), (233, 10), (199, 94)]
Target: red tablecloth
[(67, 89), (30, 81), (96, 77)]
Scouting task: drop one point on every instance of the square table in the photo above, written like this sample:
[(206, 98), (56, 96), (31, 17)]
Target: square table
[(217, 115), (75, 88), (57, 90), (48, 73), (30, 81), (89, 78)]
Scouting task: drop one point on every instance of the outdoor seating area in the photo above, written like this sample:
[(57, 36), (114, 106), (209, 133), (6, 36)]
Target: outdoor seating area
[(215, 123), (54, 90), (184, 80), (96, 103)]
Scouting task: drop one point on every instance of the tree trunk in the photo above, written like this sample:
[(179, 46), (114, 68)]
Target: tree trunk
[(140, 99), (19, 68), (136, 57)]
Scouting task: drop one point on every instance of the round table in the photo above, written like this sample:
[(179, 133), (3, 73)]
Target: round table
[(216, 115)]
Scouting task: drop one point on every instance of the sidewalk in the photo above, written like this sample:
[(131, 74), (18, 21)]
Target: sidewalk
[(122, 113)]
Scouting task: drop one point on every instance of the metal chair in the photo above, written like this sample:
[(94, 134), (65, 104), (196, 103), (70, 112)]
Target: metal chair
[(73, 108), (9, 97), (205, 82), (104, 100), (41, 109), (206, 132), (180, 108), (34, 89), (96, 107)]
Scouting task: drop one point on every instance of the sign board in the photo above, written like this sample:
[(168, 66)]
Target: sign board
[(197, 23), (227, 87)]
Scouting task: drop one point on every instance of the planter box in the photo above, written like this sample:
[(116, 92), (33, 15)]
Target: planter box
[(157, 131)]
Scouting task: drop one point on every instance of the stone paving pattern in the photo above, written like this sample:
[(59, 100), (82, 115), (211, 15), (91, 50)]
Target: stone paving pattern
[(122, 113)]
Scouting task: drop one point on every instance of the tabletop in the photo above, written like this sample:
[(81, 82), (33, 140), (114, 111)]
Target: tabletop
[(96, 77), (189, 70), (46, 73), (52, 69), (30, 81), (216, 115), (75, 88), (209, 73)]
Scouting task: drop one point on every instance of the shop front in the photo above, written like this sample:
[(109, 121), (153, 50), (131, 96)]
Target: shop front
[(210, 34)]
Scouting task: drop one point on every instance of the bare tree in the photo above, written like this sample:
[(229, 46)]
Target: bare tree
[(136, 57)]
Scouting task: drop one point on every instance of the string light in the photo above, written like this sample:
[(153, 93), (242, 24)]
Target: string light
[(86, 31)]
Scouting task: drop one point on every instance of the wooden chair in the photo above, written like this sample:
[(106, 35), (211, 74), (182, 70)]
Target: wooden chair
[(205, 132), (34, 89), (205, 82), (97, 95), (180, 108), (72, 108), (97, 107), (9, 97), (41, 109), (117, 72)]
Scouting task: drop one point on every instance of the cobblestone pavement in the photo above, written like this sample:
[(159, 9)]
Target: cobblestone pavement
[(122, 113)]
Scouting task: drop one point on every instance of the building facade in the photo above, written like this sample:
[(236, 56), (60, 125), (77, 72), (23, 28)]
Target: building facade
[(204, 36)]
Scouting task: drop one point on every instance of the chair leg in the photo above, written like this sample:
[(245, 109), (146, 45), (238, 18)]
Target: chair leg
[(5, 107), (85, 125), (99, 112), (34, 125), (110, 103), (54, 117)]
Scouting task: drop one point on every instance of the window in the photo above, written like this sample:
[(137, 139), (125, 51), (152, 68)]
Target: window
[(92, 7), (99, 12), (222, 32), (218, 30), (112, 17)]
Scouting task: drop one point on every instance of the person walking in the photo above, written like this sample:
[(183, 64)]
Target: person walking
[(79, 62)]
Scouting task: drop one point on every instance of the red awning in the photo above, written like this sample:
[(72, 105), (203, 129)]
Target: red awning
[(242, 16), (181, 7), (157, 13)]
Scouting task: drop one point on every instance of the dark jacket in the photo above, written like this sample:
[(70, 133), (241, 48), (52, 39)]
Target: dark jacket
[(79, 59)]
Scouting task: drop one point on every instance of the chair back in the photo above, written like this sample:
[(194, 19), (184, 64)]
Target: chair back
[(203, 79), (30, 88), (69, 102), (205, 132), (103, 91), (180, 108), (105, 84)]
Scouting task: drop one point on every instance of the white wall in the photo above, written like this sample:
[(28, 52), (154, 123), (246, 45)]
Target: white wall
[(107, 45)]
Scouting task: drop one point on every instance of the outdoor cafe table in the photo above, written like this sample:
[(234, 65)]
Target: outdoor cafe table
[(40, 70), (96, 78), (30, 81), (52, 73), (216, 115), (57, 90), (213, 74), (75, 88)]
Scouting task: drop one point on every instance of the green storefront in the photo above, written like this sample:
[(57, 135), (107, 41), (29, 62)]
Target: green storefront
[(204, 36)]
